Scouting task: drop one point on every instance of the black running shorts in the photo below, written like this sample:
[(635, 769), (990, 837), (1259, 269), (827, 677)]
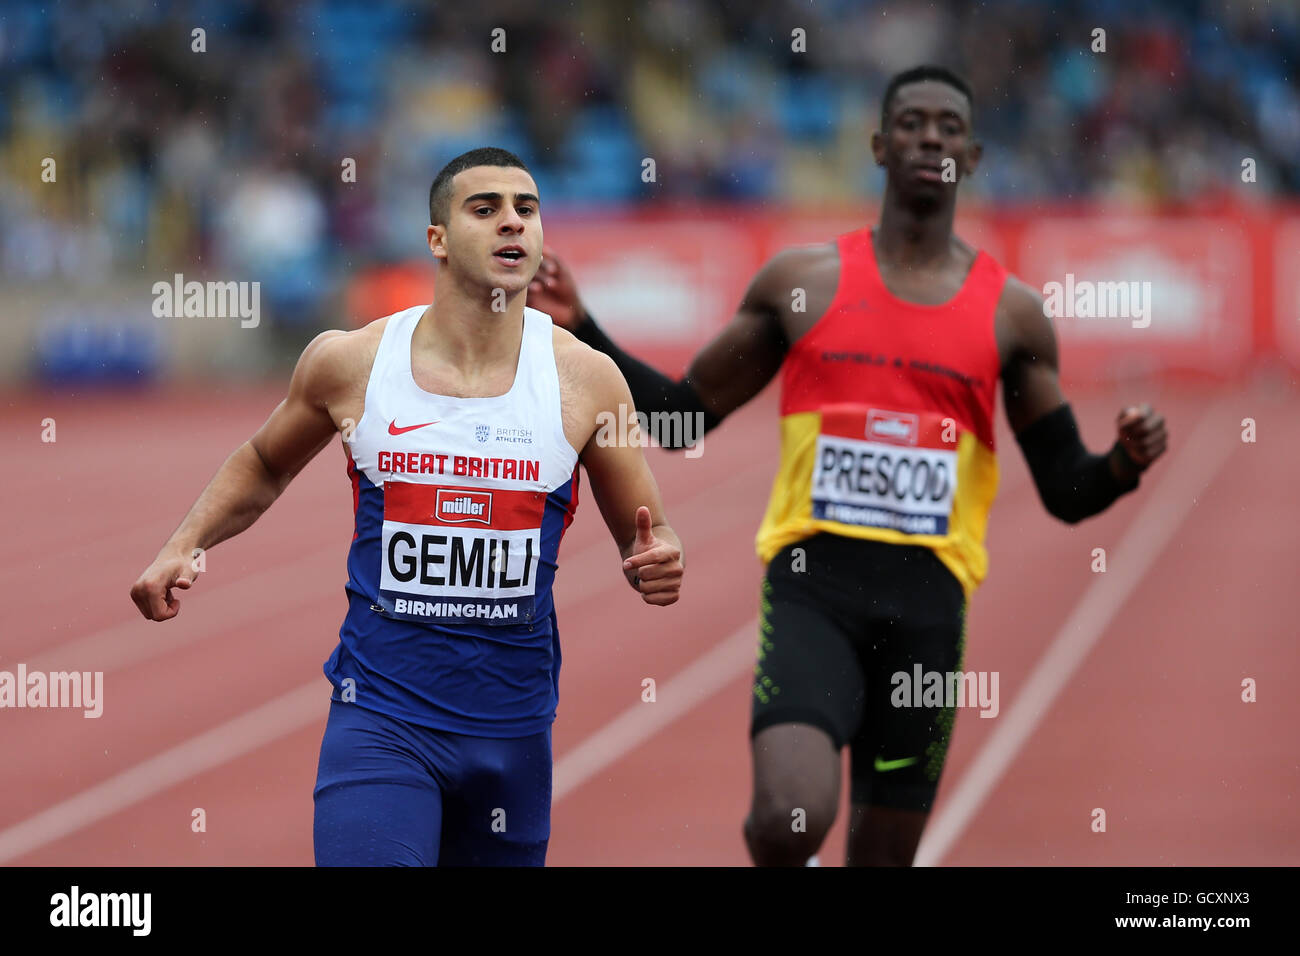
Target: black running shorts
[(840, 619)]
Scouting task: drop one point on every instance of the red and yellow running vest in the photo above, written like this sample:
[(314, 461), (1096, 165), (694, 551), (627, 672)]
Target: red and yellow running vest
[(887, 418)]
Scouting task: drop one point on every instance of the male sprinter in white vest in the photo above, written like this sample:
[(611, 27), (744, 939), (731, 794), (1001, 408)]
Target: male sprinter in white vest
[(463, 424)]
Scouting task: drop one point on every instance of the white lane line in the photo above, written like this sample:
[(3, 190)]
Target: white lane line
[(247, 732), (309, 704), (1167, 503), (243, 602), (105, 549), (701, 679)]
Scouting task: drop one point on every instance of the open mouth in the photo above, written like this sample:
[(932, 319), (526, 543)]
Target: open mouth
[(510, 255)]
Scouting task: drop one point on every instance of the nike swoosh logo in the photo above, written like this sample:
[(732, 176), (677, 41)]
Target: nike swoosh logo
[(883, 765), (393, 428)]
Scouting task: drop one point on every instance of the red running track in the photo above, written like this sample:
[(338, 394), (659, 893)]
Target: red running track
[(222, 708)]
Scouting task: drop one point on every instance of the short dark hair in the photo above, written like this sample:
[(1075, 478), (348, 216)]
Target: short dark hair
[(440, 191), (925, 72)]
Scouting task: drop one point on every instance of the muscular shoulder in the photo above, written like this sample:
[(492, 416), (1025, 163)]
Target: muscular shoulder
[(581, 368), (337, 362), (796, 287), (798, 266), (1020, 301), (1022, 326), (590, 383)]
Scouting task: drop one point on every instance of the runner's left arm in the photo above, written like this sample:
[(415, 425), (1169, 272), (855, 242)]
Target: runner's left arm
[(624, 488), (1072, 483)]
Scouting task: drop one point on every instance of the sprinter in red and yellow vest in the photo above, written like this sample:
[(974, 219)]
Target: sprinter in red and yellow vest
[(873, 538)]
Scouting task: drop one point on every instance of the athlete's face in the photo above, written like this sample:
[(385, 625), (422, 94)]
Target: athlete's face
[(927, 145), (493, 233)]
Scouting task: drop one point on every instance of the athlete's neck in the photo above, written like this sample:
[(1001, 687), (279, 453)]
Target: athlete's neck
[(910, 237), (462, 330)]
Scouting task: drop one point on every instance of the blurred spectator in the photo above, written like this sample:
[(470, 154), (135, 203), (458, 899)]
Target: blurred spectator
[(230, 160)]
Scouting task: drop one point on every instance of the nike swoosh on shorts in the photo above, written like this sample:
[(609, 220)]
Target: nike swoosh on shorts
[(900, 763)]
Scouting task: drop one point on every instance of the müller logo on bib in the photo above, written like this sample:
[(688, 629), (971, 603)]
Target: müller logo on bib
[(456, 506), (899, 428)]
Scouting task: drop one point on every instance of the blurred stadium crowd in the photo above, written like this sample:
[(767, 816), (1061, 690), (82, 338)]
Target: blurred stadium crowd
[(231, 159)]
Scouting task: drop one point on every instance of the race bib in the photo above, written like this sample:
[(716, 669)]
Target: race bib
[(885, 469), (453, 554)]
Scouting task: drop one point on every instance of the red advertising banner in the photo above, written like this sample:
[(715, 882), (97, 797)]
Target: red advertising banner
[(1286, 289), (1129, 294)]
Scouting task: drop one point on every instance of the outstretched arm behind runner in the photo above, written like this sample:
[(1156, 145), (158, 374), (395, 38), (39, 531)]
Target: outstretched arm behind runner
[(727, 373)]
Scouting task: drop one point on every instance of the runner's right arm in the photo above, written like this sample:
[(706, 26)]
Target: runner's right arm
[(1072, 482), (252, 477), (621, 481), (728, 372)]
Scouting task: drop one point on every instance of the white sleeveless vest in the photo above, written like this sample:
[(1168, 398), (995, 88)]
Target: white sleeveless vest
[(476, 492)]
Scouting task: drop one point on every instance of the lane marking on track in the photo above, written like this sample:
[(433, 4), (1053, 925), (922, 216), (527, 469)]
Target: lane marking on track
[(1185, 476), (680, 694), (309, 704), (244, 734)]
